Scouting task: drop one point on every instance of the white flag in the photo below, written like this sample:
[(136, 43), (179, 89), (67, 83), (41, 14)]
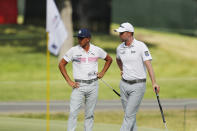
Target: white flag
[(55, 28)]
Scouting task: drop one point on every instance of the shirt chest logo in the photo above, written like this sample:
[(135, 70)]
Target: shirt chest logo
[(92, 54), (133, 51), (77, 58), (78, 55), (122, 51)]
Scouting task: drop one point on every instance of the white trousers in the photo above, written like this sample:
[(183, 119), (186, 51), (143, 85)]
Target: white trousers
[(131, 97), (87, 93)]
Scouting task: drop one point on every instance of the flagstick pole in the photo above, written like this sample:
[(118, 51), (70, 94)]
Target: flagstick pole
[(48, 86)]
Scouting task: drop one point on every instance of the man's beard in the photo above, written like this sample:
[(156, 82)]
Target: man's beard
[(83, 46)]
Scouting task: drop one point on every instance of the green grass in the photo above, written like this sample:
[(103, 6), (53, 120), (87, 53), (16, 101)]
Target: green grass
[(23, 64), (21, 124), (149, 119)]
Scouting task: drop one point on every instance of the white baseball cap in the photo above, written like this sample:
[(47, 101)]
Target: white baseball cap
[(125, 27)]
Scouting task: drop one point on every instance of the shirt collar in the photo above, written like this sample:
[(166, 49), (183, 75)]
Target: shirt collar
[(81, 49), (132, 45)]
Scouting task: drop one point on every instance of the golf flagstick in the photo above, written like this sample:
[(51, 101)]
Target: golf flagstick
[(161, 110)]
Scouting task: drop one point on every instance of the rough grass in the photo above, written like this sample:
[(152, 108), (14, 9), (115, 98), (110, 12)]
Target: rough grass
[(23, 64)]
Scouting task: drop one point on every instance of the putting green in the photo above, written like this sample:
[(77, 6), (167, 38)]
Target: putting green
[(21, 124)]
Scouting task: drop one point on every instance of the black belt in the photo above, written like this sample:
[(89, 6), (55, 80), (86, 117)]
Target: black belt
[(86, 81), (134, 81)]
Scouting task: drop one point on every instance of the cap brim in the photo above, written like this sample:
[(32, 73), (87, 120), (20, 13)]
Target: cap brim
[(78, 36), (120, 29), (81, 36)]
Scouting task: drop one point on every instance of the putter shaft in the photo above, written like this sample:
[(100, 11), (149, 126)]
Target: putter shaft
[(110, 87), (161, 110)]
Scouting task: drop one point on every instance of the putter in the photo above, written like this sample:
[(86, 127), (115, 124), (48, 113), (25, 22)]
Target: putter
[(110, 87), (161, 110)]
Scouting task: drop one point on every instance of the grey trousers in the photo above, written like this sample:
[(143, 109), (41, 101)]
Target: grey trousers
[(87, 93), (131, 97)]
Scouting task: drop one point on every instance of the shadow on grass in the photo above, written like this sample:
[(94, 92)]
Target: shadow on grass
[(186, 32), (150, 45), (34, 39), (113, 50), (33, 44), (38, 45), (110, 50), (31, 37)]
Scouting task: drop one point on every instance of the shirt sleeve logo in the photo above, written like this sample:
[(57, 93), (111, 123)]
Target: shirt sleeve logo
[(146, 53)]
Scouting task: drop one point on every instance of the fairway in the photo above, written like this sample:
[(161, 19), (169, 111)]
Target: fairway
[(23, 73), (21, 124)]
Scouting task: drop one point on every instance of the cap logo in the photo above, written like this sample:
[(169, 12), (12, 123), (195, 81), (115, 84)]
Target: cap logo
[(122, 26), (79, 32)]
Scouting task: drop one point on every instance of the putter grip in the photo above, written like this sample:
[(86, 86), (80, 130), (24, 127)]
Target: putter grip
[(155, 89), (116, 92), (156, 92)]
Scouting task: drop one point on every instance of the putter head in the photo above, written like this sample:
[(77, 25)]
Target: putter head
[(165, 126)]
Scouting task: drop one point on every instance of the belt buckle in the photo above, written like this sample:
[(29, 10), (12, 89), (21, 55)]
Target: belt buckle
[(89, 81), (132, 82), (137, 80)]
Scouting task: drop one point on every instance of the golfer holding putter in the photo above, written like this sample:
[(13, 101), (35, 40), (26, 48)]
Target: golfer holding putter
[(133, 58), (84, 58)]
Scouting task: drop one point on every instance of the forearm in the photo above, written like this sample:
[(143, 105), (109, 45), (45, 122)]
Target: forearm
[(64, 71), (152, 76), (107, 64), (62, 67), (65, 75), (150, 72), (119, 63)]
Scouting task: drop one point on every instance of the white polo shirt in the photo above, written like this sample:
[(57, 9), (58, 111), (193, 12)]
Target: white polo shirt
[(85, 64), (133, 58)]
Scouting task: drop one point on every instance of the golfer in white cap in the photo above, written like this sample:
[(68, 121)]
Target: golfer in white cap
[(133, 58)]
